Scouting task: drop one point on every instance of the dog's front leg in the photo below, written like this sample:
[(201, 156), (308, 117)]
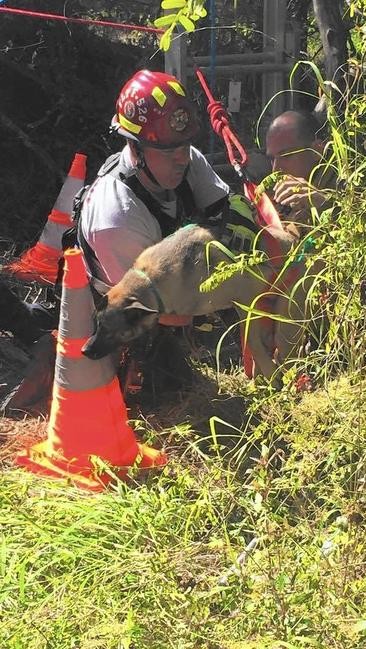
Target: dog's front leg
[(289, 335), (260, 343)]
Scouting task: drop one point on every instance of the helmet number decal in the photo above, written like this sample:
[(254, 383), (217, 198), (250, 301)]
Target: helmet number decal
[(141, 110)]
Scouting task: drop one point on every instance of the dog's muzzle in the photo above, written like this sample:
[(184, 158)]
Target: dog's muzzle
[(95, 349)]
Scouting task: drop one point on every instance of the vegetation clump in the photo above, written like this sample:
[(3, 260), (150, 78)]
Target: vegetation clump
[(253, 536)]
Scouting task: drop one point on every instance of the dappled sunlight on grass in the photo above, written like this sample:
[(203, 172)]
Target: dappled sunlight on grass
[(159, 562)]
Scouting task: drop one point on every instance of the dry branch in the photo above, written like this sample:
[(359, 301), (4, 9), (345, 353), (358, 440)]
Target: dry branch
[(42, 155)]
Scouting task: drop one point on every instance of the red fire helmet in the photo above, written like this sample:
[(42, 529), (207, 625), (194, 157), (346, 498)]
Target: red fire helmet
[(153, 109)]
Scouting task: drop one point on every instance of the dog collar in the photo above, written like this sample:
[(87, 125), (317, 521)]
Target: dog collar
[(161, 307)]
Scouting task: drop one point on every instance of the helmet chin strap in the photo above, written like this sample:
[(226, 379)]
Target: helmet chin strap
[(141, 165)]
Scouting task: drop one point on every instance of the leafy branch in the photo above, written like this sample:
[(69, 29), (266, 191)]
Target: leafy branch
[(225, 270), (181, 12), (268, 183)]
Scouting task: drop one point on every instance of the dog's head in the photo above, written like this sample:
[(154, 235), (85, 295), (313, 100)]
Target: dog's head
[(117, 324)]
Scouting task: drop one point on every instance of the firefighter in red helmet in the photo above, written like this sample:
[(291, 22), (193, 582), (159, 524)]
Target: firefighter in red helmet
[(157, 183), (159, 122), (153, 109)]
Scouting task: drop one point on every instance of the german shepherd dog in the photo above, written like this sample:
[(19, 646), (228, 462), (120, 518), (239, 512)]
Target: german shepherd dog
[(166, 279)]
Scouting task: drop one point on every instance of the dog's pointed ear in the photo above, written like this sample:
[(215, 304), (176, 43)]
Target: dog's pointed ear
[(136, 312), (135, 304)]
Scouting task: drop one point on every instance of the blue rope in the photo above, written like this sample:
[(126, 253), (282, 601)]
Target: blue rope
[(212, 61)]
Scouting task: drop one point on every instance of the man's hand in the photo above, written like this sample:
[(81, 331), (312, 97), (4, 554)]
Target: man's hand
[(298, 194)]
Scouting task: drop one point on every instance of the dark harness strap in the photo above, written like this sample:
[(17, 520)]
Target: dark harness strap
[(185, 211), (217, 215), (185, 204), (184, 196)]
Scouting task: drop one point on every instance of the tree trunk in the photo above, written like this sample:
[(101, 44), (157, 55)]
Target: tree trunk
[(333, 36)]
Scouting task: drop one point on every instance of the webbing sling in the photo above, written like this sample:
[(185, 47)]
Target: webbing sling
[(215, 214), (185, 209), (184, 195), (230, 223), (185, 204)]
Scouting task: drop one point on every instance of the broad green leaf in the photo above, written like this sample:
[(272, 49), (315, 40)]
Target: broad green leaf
[(187, 23), (165, 40), (165, 21), (173, 4), (200, 11)]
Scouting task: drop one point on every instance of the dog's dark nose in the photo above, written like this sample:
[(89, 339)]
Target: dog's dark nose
[(92, 350), (89, 353), (98, 346)]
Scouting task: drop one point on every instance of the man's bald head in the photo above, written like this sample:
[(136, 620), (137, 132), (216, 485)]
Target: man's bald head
[(300, 122), (294, 144)]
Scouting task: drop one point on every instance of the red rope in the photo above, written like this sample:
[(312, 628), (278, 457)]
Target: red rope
[(83, 21), (221, 125), (266, 212)]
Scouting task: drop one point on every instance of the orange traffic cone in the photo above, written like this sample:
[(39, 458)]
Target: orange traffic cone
[(40, 262), (88, 415)]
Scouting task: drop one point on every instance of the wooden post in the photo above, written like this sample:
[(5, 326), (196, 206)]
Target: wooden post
[(274, 18), (176, 57)]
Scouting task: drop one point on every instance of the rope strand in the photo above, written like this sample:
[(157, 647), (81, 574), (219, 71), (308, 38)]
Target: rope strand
[(221, 125), (83, 21)]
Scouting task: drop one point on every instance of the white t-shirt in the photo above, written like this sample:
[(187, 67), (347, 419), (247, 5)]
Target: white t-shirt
[(118, 226)]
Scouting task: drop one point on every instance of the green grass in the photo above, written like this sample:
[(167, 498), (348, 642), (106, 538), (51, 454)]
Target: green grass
[(150, 566), (161, 563)]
